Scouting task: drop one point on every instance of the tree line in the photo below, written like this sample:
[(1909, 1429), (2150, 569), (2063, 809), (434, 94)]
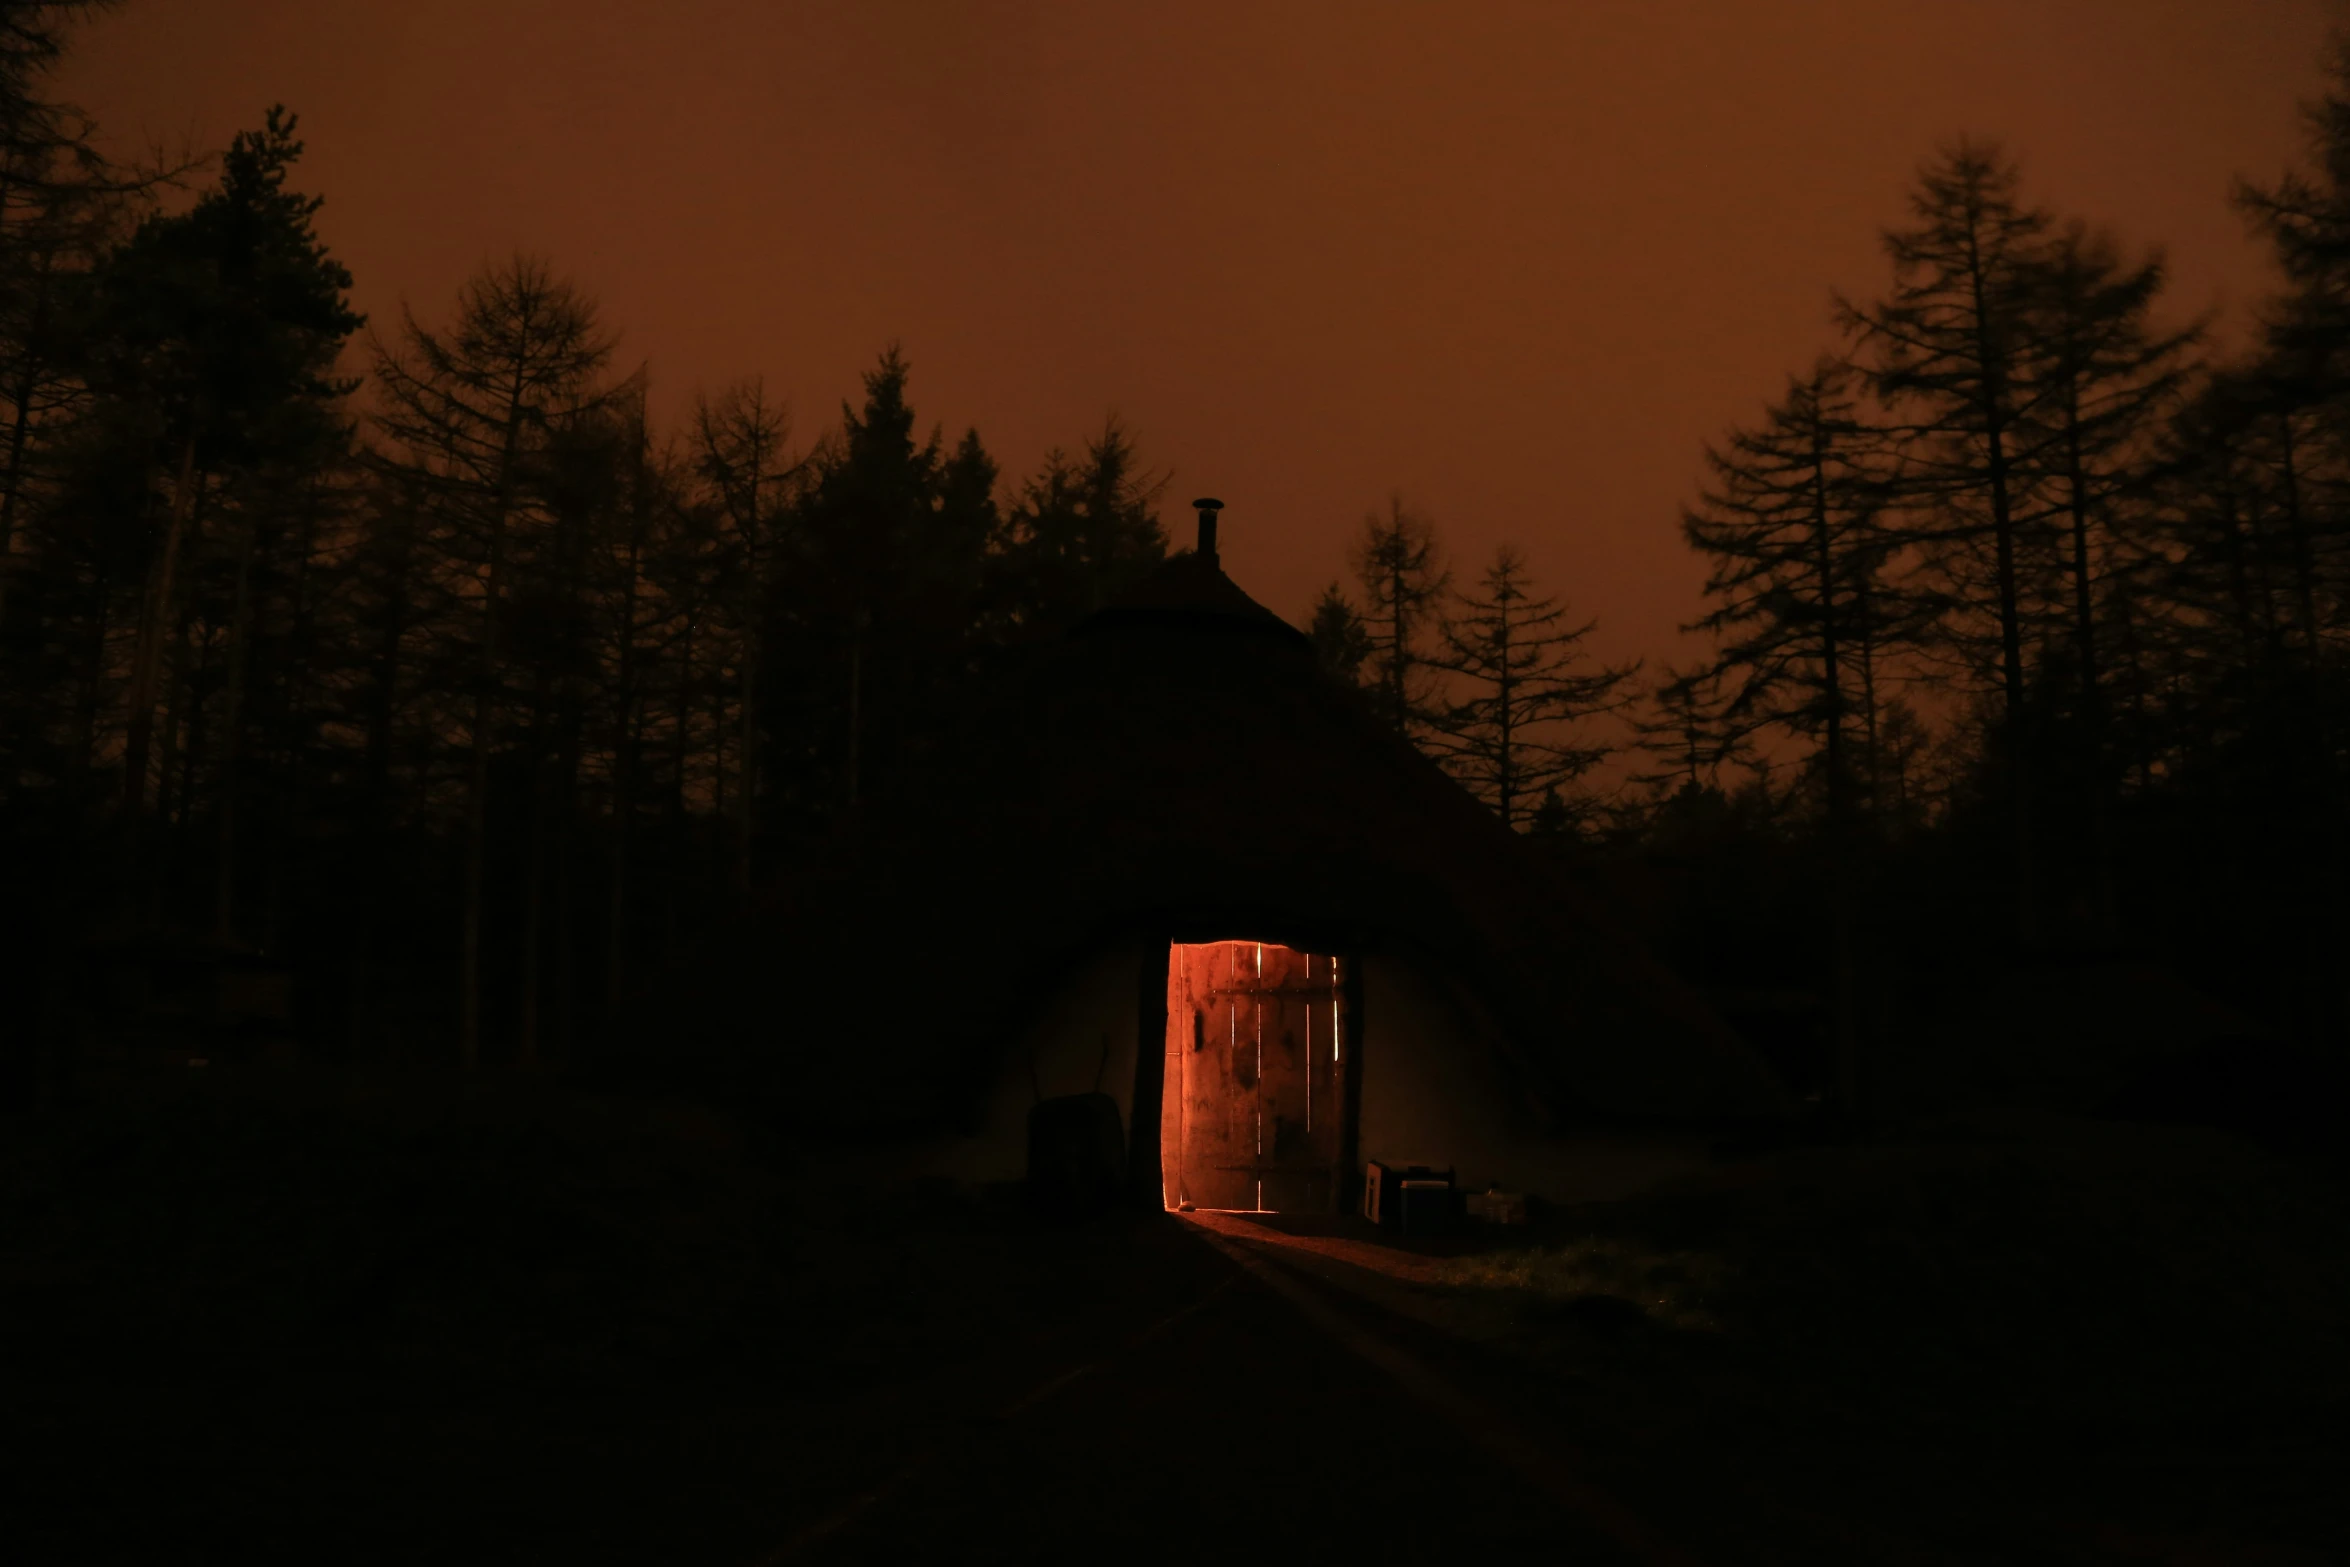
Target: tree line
[(1492, 679), (2024, 610), (419, 655)]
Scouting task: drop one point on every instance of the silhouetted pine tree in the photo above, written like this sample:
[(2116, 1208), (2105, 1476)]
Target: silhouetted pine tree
[(1684, 734), (881, 597), (1950, 350), (1792, 526), (1080, 531), (1403, 577), (1799, 565), (752, 483), (60, 207), (469, 412), (2104, 380), (1341, 641), (1518, 734)]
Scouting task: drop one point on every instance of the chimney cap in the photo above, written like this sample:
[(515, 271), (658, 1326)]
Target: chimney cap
[(1207, 503)]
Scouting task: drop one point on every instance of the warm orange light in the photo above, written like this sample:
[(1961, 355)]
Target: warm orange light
[(1250, 1133)]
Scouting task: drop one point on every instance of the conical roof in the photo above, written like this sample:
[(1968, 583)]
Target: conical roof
[(1188, 589), (1179, 767)]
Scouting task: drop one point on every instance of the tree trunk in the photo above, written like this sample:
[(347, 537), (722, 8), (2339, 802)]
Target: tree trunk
[(2084, 597), (1991, 408), (28, 383), (1842, 980), (565, 834), (1865, 661), (624, 769), (1505, 702), (2330, 867), (477, 789), (477, 781), (2297, 530), (746, 755), (717, 764), (224, 902), (533, 885), (297, 696), (12, 480), (172, 677), (2103, 912), (148, 655), (747, 747), (627, 739), (94, 679), (856, 699), (382, 707), (680, 742)]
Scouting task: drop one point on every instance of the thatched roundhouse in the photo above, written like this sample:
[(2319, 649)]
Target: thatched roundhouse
[(1172, 862)]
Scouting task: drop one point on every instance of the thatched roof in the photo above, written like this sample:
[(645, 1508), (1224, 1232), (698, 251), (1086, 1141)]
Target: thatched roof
[(1180, 767)]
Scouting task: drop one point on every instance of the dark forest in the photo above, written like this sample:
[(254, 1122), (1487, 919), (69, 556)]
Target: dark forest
[(406, 700), (412, 659)]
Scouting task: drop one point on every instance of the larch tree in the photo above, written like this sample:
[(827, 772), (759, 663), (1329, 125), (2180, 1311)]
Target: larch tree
[(1516, 729), (1683, 733), (56, 216), (886, 578), (2305, 215), (1401, 571), (221, 325), (1342, 643), (1080, 530), (2105, 380), (739, 449), (1790, 524), (469, 409), (1950, 349)]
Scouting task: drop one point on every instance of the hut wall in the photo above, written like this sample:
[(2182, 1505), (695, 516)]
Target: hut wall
[(1434, 1090), (1083, 1035), (1435, 1093)]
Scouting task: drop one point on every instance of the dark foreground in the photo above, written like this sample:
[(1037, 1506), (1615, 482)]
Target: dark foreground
[(282, 1318)]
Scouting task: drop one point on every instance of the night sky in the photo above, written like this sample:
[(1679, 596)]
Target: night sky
[(1517, 261)]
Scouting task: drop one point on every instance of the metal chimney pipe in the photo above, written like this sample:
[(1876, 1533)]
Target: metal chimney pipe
[(1208, 507)]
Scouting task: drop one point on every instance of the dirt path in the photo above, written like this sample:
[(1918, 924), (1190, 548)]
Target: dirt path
[(1247, 1425)]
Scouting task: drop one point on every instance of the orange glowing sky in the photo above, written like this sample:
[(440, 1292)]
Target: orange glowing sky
[(1515, 260)]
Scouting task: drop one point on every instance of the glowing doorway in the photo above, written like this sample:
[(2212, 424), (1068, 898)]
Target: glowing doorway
[(1254, 1112)]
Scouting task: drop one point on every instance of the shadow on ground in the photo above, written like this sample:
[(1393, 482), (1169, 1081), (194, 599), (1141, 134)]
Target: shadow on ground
[(276, 1315)]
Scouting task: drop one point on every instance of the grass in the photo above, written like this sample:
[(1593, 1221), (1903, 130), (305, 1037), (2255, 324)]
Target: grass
[(269, 1314), (272, 1316), (2013, 1335)]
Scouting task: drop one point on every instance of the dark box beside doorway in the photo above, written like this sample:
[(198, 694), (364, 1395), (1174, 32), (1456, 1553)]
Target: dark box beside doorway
[(1415, 1199)]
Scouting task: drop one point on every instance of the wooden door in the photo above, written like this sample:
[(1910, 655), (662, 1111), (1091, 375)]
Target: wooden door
[(1255, 1077)]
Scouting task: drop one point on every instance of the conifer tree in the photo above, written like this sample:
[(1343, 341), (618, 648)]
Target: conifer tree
[(2305, 215), (1081, 530), (1684, 734), (739, 450), (2104, 380), (1798, 564), (1341, 642), (885, 584), (1790, 524), (469, 411), (1518, 731), (60, 202), (1403, 577), (222, 324), (1949, 349)]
